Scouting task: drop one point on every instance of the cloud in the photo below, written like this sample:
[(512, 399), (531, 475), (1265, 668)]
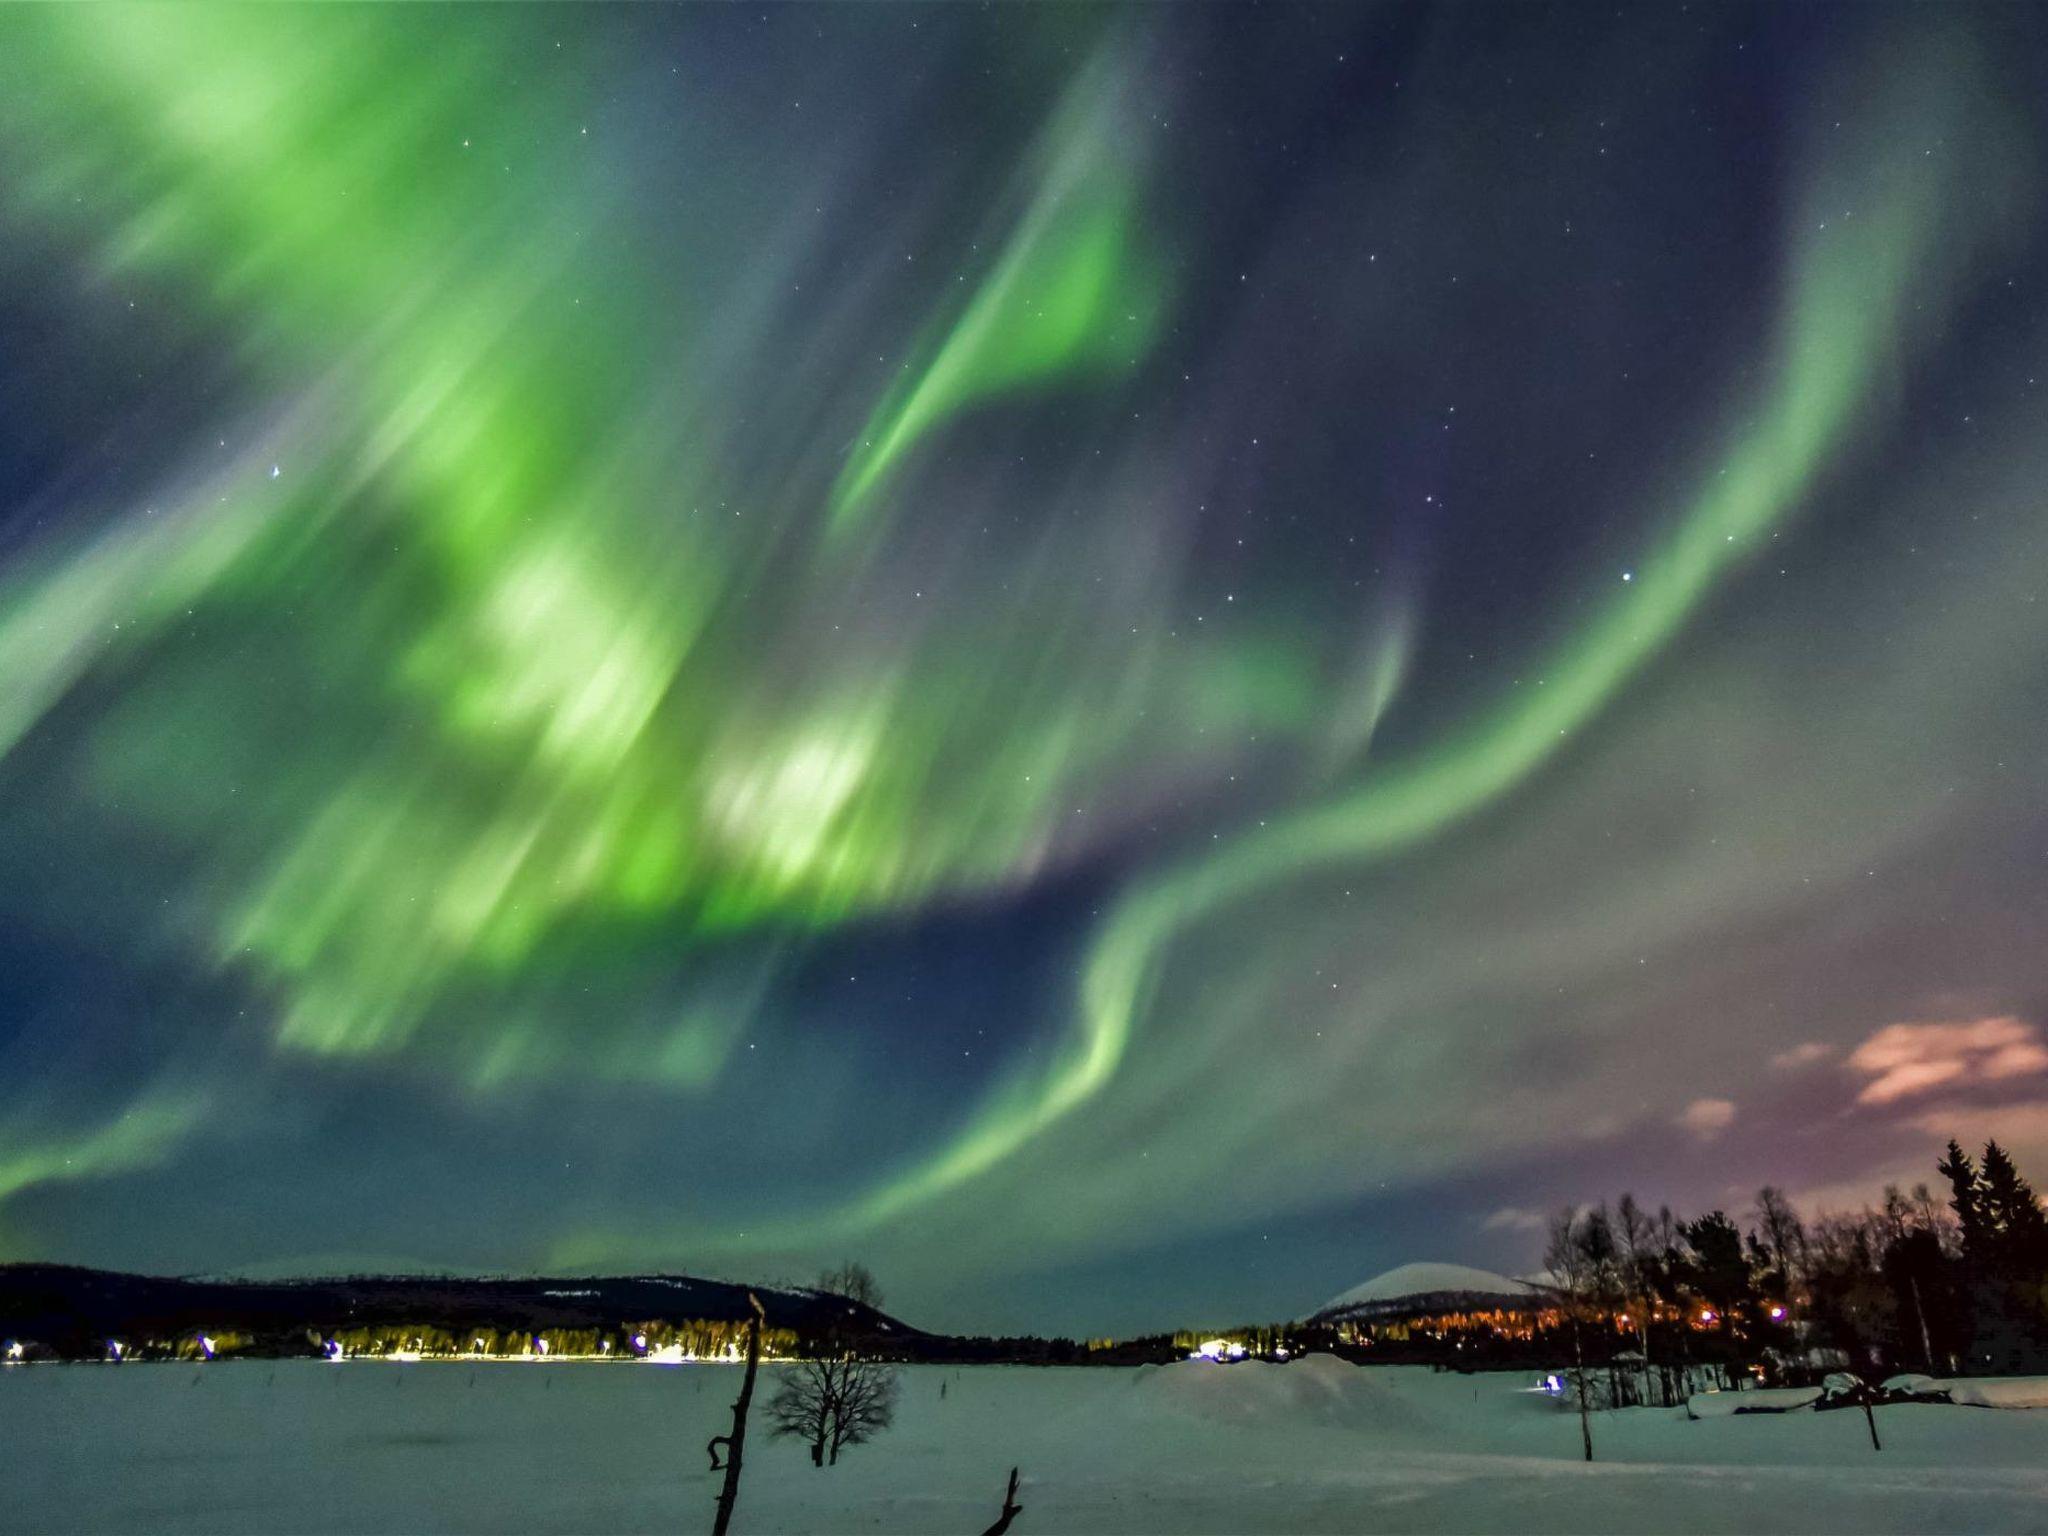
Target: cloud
[(2021, 1125), (1707, 1118), (1902, 1060), (1803, 1055), (1513, 1218)]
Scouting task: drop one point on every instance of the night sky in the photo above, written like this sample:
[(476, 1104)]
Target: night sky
[(1128, 663)]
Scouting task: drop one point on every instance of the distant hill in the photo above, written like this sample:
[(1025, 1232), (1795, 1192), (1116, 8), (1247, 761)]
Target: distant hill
[(1421, 1288), (73, 1310)]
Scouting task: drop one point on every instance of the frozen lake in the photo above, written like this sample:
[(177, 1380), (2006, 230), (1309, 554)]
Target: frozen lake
[(302, 1446)]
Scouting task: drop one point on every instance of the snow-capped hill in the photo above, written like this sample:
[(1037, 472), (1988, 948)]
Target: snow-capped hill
[(1415, 1283)]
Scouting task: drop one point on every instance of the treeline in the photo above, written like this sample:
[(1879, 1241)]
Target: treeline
[(696, 1340), (1919, 1282), (693, 1340), (54, 1311)]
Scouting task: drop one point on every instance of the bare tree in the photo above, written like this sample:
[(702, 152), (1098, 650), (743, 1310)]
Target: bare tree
[(854, 1281), (1784, 1235), (833, 1403), (802, 1406), (865, 1407), (1573, 1281), (736, 1443), (1634, 1233)]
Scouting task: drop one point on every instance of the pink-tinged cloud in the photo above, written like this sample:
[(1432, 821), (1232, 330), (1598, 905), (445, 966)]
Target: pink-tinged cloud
[(1803, 1055), (1902, 1060), (1708, 1117), (2017, 1125), (2022, 1127)]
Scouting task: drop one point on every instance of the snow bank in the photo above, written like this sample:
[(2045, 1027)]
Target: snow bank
[(1315, 1389), (1722, 1405), (1997, 1391)]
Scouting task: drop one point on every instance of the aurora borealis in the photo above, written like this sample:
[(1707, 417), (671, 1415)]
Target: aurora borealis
[(1128, 662)]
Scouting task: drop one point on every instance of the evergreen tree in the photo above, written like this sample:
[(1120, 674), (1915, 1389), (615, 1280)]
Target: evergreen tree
[(1719, 1270), (2017, 1230), (1966, 1200), (2005, 1259)]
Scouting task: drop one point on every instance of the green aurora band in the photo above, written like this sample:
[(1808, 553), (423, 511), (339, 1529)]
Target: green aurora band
[(537, 730), (549, 635), (1856, 293), (1071, 296)]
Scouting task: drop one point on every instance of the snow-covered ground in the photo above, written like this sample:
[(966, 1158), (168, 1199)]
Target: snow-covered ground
[(1312, 1446)]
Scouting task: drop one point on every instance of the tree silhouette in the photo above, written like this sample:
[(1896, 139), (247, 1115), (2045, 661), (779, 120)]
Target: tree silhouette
[(855, 1282), (833, 1403)]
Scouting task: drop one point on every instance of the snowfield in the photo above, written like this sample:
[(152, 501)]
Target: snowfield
[(1316, 1445)]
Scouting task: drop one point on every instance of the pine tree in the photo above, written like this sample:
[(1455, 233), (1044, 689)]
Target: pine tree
[(1966, 1200), (2012, 1214), (2005, 1258), (1719, 1270)]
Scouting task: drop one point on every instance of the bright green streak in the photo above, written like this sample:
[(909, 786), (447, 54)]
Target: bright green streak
[(1856, 285), (1071, 297), (139, 1137)]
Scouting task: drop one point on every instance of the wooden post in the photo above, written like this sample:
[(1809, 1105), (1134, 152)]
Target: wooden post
[(736, 1443), (1011, 1508)]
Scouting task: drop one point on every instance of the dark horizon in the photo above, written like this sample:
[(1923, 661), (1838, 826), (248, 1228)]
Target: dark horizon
[(1744, 1214)]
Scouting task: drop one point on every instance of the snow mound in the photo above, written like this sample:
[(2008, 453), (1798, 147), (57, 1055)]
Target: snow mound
[(1998, 1391), (1426, 1280), (1316, 1387), (1319, 1390)]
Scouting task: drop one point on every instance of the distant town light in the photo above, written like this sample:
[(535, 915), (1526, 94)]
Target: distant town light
[(14, 1349), (206, 1346), (1777, 1313)]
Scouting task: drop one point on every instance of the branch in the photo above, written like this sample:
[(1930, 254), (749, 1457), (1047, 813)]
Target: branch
[(1011, 1508)]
